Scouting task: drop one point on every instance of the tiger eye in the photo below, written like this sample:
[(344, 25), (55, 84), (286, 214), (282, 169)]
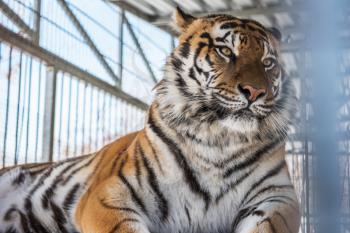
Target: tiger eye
[(268, 62), (226, 51)]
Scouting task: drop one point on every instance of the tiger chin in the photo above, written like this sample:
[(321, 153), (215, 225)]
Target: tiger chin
[(210, 158)]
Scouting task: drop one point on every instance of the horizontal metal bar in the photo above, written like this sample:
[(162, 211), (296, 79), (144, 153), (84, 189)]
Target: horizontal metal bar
[(134, 10), (16, 19), (27, 46), (164, 21)]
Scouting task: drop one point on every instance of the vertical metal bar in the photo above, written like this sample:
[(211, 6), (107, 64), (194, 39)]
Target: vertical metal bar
[(116, 117), (8, 90), (49, 114), (36, 35), (126, 113), (325, 83), (121, 46), (90, 118), (97, 120), (103, 120), (60, 116), (29, 107), (139, 48), (68, 116), (110, 118), (24, 94), (83, 120), (18, 106), (38, 115), (76, 119)]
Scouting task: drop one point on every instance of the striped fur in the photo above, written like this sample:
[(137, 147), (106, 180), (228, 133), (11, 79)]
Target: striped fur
[(207, 160)]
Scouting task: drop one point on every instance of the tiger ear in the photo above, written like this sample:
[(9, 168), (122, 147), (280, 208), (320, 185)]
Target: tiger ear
[(182, 19), (276, 33)]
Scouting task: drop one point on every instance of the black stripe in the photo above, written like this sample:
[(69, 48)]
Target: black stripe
[(131, 189), (7, 215), (207, 36), (71, 197), (207, 58), (126, 209), (192, 75), (97, 166), (116, 159), (251, 159), (176, 63), (59, 217), (285, 203), (71, 175), (117, 226), (34, 222), (24, 222), (155, 154), (181, 162), (188, 215), (235, 183), (201, 45), (42, 179), (182, 86), (242, 214), (222, 39), (50, 191), (273, 199), (19, 179), (23, 219), (268, 188), (229, 25), (137, 168), (153, 182), (259, 213), (47, 174), (185, 50), (274, 171)]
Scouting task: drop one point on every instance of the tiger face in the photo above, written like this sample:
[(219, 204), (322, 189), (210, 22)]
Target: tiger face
[(228, 71)]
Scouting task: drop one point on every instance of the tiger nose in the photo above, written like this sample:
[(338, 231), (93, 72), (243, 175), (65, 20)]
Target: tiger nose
[(250, 92)]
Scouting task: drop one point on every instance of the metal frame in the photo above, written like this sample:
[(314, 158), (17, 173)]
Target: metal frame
[(28, 41), (37, 22), (121, 46), (139, 48), (88, 39), (28, 46), (16, 19), (49, 117), (163, 22)]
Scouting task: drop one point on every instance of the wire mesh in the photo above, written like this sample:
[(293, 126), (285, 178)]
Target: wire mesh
[(86, 118)]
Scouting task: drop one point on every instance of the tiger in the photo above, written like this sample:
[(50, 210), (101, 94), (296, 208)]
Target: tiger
[(210, 158)]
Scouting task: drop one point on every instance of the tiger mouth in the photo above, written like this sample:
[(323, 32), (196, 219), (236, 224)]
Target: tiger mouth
[(249, 114), (245, 112)]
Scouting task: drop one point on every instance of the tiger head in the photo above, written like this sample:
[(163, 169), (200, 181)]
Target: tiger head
[(225, 72)]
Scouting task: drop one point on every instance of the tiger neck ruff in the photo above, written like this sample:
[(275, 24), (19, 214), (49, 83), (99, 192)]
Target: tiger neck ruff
[(210, 158)]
